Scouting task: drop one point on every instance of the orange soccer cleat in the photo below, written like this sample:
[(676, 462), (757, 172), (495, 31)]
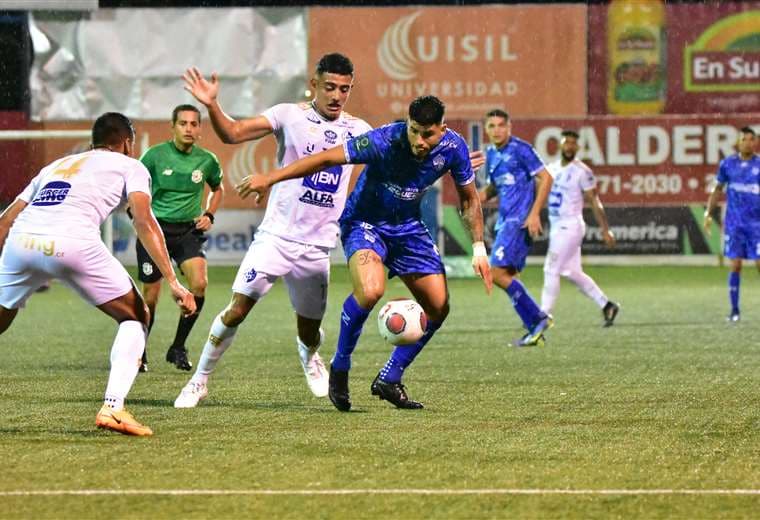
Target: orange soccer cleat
[(120, 421)]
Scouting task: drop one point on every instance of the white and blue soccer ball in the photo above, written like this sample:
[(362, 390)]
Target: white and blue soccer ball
[(402, 321)]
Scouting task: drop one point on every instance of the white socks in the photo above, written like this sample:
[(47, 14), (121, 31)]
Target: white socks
[(584, 282), (550, 292), (219, 340), (126, 354), (588, 286)]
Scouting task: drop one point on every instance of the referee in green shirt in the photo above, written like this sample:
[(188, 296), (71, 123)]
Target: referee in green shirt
[(179, 170)]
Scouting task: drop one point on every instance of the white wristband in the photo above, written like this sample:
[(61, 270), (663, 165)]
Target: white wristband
[(479, 249)]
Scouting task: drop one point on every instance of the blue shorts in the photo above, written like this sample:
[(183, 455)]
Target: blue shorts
[(404, 248), (742, 242), (511, 246)]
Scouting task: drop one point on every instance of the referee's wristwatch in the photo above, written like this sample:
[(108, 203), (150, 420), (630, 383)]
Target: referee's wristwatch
[(209, 215)]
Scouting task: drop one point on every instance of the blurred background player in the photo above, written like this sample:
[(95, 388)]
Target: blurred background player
[(52, 230), (300, 224), (180, 170), (381, 225), (573, 183), (512, 165), (740, 173)]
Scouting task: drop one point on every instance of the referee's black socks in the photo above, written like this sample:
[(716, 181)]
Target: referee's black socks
[(186, 323)]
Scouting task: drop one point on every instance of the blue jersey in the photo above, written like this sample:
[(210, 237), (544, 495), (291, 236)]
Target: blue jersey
[(390, 189), (742, 180), (511, 169)]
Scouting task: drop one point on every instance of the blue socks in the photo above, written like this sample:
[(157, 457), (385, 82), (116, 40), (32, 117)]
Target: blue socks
[(403, 355), (733, 291), (351, 322), (524, 305)]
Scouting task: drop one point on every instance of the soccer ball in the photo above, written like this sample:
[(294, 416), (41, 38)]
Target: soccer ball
[(402, 322)]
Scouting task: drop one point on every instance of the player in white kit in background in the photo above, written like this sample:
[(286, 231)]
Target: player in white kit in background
[(300, 224), (52, 230), (574, 184)]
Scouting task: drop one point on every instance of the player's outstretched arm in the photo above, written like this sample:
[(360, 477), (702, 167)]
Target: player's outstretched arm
[(593, 200), (472, 214), (150, 235), (229, 130), (8, 217), (712, 201), (533, 221), (259, 183)]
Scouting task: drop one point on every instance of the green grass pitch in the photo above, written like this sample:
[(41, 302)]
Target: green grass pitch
[(666, 400)]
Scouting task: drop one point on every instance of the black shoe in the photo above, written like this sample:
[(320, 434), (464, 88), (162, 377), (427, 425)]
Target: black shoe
[(394, 393), (610, 312), (338, 389), (143, 363), (178, 356)]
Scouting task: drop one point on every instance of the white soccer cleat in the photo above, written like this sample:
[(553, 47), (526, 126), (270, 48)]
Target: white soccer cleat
[(191, 395), (313, 367)]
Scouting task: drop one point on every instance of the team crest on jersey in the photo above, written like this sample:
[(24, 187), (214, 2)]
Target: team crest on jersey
[(438, 162), (330, 136), (147, 268), (250, 275), (52, 194), (196, 176)]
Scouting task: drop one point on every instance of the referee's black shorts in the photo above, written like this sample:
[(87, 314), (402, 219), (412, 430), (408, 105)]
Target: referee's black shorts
[(183, 242)]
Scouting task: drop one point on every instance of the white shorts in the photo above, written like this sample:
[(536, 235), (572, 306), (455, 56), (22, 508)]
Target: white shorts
[(28, 261), (565, 239), (305, 268)]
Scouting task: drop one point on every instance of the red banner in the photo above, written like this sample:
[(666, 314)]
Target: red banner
[(474, 58), (654, 161), (711, 53)]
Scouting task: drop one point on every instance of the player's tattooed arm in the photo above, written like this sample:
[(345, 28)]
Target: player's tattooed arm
[(7, 218), (472, 215)]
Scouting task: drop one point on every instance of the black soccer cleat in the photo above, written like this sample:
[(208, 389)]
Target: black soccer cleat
[(143, 363), (178, 356), (394, 393), (610, 312), (337, 389)]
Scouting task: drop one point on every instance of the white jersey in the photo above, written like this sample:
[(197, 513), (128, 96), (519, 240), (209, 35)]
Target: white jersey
[(71, 197), (566, 197), (307, 210)]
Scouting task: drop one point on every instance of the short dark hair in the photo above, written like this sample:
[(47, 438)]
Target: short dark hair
[(112, 128), (497, 112), (335, 63), (748, 130), (427, 110), (570, 133), (184, 108)]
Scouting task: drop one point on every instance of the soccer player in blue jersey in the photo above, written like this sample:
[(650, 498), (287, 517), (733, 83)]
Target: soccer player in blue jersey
[(381, 225), (513, 166), (740, 173)]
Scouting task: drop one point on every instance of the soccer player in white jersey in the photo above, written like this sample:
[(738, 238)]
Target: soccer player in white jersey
[(300, 225), (574, 184), (52, 230)]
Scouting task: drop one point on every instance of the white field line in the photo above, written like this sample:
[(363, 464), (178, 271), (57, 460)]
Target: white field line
[(316, 492)]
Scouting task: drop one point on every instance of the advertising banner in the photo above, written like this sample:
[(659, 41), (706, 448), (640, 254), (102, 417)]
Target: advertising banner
[(474, 58), (643, 161), (706, 55)]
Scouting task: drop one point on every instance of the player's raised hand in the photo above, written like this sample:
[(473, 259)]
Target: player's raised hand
[(533, 223), (182, 297), (254, 183), (481, 266), (477, 159), (203, 90)]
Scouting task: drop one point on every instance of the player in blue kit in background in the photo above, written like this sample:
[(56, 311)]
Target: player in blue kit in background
[(381, 225), (741, 235), (512, 166)]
